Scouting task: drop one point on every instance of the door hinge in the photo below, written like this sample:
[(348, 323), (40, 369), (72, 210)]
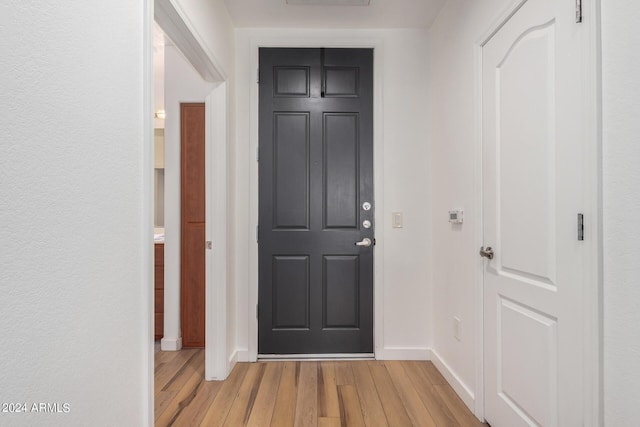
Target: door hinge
[(257, 233), (257, 311), (258, 76), (578, 11), (580, 227), (258, 153)]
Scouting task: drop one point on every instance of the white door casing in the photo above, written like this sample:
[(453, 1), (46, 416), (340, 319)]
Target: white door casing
[(217, 365), (338, 41), (533, 108)]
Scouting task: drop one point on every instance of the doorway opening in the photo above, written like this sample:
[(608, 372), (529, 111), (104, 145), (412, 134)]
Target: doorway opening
[(191, 76)]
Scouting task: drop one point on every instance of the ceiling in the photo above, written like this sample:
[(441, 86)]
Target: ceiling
[(379, 14)]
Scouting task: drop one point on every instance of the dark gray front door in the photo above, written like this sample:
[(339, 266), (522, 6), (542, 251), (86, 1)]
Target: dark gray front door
[(316, 172)]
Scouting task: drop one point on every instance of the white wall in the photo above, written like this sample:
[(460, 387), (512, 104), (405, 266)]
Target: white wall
[(452, 132), (75, 269), (182, 84), (406, 258), (621, 181)]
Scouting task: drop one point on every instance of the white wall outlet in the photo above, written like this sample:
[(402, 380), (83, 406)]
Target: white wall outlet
[(456, 328)]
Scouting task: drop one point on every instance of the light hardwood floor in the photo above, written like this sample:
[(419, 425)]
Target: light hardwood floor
[(322, 394)]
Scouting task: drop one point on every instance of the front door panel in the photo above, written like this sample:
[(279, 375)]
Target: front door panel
[(316, 171)]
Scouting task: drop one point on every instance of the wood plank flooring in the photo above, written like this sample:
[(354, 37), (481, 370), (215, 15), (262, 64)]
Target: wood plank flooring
[(319, 394)]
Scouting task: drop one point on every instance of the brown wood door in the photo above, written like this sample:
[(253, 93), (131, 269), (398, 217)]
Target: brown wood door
[(159, 290), (192, 190)]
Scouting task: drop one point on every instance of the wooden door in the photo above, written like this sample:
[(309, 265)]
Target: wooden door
[(316, 201), (192, 254), (533, 190), (159, 290)]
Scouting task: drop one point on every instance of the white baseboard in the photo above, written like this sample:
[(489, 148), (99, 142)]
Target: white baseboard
[(233, 359), (243, 356), (401, 353), (171, 344), (458, 386)]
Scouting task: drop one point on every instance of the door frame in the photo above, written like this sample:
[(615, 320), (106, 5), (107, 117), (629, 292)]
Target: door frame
[(174, 22), (148, 248), (378, 167), (216, 365), (592, 333)]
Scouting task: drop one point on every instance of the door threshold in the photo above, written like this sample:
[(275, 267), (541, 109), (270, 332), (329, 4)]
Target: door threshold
[(314, 357)]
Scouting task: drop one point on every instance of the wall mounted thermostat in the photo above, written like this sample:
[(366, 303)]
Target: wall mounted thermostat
[(455, 216)]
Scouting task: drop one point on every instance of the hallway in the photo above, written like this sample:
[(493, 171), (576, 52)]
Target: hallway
[(325, 394)]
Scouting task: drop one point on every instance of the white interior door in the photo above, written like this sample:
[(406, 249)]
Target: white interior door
[(533, 101)]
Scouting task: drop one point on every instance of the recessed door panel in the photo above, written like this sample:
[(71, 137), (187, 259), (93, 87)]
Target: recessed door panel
[(341, 283), (192, 294), (527, 368), (341, 170), (291, 170), (291, 292), (291, 81), (192, 172), (341, 81), (525, 145)]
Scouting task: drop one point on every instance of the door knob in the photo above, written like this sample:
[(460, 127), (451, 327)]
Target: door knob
[(487, 253), (366, 242)]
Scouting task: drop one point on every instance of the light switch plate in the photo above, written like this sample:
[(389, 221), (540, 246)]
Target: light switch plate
[(396, 220), (456, 328)]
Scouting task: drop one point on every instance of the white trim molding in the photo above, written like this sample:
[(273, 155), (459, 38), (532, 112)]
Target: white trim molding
[(177, 26), (593, 394), (328, 40), (233, 359), (147, 213), (216, 366), (404, 353), (242, 356), (461, 389), (171, 344)]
